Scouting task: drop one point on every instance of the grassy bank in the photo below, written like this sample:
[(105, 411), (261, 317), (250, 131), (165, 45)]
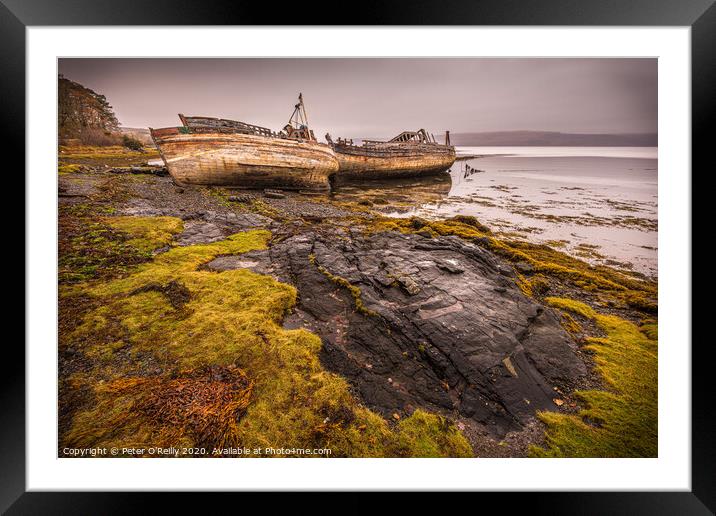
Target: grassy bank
[(99, 156)]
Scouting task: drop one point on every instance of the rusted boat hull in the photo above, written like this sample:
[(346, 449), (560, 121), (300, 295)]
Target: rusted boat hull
[(358, 163), (245, 160)]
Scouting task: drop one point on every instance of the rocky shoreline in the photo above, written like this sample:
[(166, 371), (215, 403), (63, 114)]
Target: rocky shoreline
[(411, 314)]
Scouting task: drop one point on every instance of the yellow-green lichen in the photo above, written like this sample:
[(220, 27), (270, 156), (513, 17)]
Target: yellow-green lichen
[(172, 315), (571, 325), (105, 152), (147, 233), (92, 245), (620, 422), (68, 169)]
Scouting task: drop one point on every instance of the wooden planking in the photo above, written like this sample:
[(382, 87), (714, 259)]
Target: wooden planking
[(224, 125), (246, 160), (389, 150), (164, 131), (386, 161)]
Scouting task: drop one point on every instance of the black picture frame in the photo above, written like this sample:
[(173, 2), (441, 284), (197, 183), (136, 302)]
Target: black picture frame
[(700, 15)]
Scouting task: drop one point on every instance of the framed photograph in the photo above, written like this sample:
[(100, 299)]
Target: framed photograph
[(445, 248)]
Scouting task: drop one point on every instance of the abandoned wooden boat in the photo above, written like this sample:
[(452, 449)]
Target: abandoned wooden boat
[(214, 151), (410, 154)]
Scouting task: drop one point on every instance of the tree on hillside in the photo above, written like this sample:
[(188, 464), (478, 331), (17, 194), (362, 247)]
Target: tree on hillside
[(84, 113)]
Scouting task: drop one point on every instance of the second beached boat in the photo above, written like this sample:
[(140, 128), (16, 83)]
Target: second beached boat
[(214, 151), (410, 154)]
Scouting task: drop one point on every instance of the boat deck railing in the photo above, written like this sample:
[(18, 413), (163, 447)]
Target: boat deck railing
[(202, 124), (386, 146), (235, 130), (390, 149)]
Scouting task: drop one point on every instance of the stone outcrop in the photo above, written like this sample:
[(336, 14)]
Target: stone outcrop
[(437, 323)]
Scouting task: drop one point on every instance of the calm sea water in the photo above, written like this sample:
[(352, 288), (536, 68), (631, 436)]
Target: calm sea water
[(598, 203)]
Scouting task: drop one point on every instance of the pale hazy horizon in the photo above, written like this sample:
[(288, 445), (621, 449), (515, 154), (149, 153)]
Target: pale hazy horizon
[(371, 97)]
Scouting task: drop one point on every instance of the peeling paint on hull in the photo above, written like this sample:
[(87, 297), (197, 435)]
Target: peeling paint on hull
[(246, 160)]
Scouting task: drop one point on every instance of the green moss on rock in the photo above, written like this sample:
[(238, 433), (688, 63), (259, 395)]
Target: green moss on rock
[(623, 421), (225, 319), (147, 233)]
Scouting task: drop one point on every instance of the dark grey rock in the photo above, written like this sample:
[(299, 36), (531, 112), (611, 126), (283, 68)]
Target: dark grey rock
[(453, 332), (200, 232), (202, 223), (451, 266), (257, 261), (524, 267)]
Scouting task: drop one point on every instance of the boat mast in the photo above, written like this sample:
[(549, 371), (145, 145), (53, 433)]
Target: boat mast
[(303, 108), (298, 123), (299, 119)]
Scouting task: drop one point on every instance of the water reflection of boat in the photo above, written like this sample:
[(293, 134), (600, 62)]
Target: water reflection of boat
[(214, 151), (410, 154), (393, 192)]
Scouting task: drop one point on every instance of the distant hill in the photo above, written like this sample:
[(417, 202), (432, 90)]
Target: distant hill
[(551, 138), (138, 133)]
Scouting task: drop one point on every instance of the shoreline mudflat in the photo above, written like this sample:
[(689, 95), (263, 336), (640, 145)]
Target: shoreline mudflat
[(598, 204)]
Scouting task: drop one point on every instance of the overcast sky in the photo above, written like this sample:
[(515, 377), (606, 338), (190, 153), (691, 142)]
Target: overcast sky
[(381, 97)]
